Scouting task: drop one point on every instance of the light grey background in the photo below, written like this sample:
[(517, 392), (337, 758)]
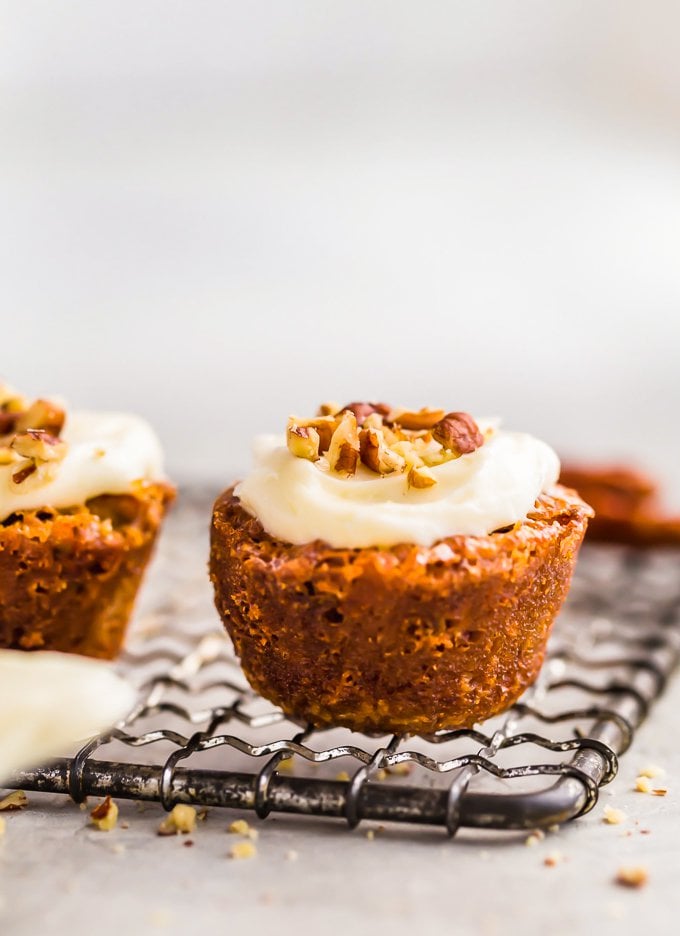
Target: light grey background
[(217, 213)]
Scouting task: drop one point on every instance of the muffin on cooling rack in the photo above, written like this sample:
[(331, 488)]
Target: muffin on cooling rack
[(394, 571), (82, 497)]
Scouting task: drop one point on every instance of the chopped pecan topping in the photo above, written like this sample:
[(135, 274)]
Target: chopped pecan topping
[(421, 477), (363, 410), (39, 444), (459, 433), (384, 440), (344, 450), (303, 441), (423, 419), (43, 414), (376, 455)]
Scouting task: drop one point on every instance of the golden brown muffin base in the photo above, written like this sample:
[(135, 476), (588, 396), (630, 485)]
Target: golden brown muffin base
[(400, 639), (69, 578)]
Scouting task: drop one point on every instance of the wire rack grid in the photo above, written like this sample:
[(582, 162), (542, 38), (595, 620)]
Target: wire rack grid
[(200, 735)]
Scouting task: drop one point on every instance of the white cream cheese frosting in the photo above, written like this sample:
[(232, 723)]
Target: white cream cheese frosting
[(107, 453), (490, 488)]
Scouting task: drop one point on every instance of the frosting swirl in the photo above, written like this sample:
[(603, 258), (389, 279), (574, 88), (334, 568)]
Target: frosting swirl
[(475, 494)]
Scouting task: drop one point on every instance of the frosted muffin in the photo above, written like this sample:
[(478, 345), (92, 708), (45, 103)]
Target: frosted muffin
[(393, 571), (82, 497)]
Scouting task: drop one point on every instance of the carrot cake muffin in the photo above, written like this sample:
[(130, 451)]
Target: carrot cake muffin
[(82, 497), (394, 571)]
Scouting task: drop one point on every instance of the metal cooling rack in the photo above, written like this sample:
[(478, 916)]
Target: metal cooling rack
[(200, 735)]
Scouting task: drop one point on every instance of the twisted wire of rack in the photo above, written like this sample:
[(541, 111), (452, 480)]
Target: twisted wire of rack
[(200, 735)]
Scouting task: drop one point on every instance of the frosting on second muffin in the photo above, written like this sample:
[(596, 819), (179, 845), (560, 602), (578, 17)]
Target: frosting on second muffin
[(490, 488), (105, 453)]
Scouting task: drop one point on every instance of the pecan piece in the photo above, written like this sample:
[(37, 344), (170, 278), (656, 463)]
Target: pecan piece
[(363, 410), (43, 414), (38, 443), (376, 455), (459, 433), (343, 453), (420, 476), (423, 419), (303, 441)]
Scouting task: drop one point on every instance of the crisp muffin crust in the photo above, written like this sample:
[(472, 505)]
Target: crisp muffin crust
[(400, 639), (69, 577)]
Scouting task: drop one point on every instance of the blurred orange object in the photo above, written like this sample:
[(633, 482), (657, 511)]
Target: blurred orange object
[(626, 505)]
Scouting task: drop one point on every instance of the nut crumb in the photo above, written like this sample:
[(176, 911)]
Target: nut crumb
[(189, 843), (632, 876), (118, 848), (652, 771), (125, 825), (370, 834), (292, 855), (614, 816), (553, 859), (17, 799), (181, 819), (241, 827), (343, 776), (242, 850), (554, 828), (105, 815), (202, 814), (642, 785), (659, 791), (534, 838)]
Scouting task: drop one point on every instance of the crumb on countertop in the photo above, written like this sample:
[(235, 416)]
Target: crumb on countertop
[(614, 816), (242, 850), (634, 876), (181, 819), (241, 827), (17, 799), (105, 815)]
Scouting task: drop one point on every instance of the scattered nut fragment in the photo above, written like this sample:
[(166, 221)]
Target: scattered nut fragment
[(17, 799), (642, 785), (7, 455), (553, 859), (303, 441), (421, 477), (614, 816), (400, 769), (181, 819), (659, 791), (242, 850), (534, 838), (632, 876), (292, 855), (43, 414), (241, 827), (459, 433), (425, 418), (344, 450), (343, 776), (39, 444), (651, 771), (363, 410), (376, 455), (370, 834), (105, 815)]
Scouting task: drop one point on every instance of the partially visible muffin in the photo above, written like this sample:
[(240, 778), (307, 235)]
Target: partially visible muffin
[(444, 551), (82, 498)]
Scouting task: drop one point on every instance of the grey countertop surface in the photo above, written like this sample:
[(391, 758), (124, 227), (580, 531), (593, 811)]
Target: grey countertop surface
[(60, 875)]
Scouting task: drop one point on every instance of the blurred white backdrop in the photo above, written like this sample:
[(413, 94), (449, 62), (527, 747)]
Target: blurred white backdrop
[(217, 213)]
